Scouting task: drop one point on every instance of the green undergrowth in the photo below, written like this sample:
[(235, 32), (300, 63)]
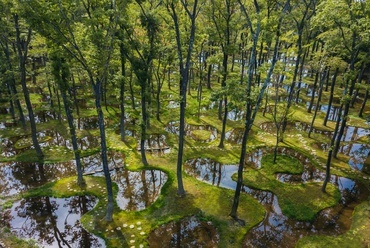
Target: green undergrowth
[(299, 201)]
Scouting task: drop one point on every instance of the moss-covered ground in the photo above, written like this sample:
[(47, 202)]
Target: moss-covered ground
[(300, 201)]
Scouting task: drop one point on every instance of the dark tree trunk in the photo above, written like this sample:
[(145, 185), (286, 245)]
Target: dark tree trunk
[(313, 92), (331, 95), (330, 152), (122, 93), (360, 113), (61, 74), (22, 47), (318, 102), (103, 143), (300, 75), (223, 84), (249, 105), (144, 123), (184, 78), (13, 88), (224, 120)]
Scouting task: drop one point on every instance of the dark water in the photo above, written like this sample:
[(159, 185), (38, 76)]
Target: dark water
[(235, 115), (188, 233), (16, 177), (173, 127), (52, 222), (156, 144), (138, 189), (276, 228), (235, 135)]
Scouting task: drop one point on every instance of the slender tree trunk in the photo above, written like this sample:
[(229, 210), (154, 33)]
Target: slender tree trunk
[(300, 75), (249, 105), (13, 88), (313, 92), (360, 113), (223, 84), (122, 93), (103, 143), (331, 96), (22, 47), (318, 102), (144, 123), (184, 78), (61, 73), (330, 152)]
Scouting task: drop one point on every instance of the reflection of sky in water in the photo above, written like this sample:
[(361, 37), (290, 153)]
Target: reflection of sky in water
[(16, 177), (358, 154), (174, 126), (138, 189), (156, 144), (53, 222)]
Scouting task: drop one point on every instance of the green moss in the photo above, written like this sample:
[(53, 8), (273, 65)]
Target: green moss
[(9, 240), (201, 135), (298, 201)]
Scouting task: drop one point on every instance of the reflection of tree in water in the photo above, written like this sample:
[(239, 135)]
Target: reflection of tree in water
[(18, 176), (53, 222), (138, 189), (188, 232), (205, 169), (173, 127)]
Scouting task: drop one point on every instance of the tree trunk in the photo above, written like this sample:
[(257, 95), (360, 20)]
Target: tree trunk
[(318, 102), (13, 88), (22, 47), (331, 95), (103, 143), (249, 116), (61, 73), (122, 93), (143, 124), (184, 78), (360, 113), (313, 92)]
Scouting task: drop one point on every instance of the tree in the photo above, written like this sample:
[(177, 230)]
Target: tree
[(8, 68), (252, 105), (224, 21), (141, 53), (60, 70), (86, 32), (184, 67), (22, 44)]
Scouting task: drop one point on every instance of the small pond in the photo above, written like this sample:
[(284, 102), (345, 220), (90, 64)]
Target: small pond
[(156, 144), (187, 233), (191, 131), (52, 222)]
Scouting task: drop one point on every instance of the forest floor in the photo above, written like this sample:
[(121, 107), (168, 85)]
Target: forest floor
[(207, 202)]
